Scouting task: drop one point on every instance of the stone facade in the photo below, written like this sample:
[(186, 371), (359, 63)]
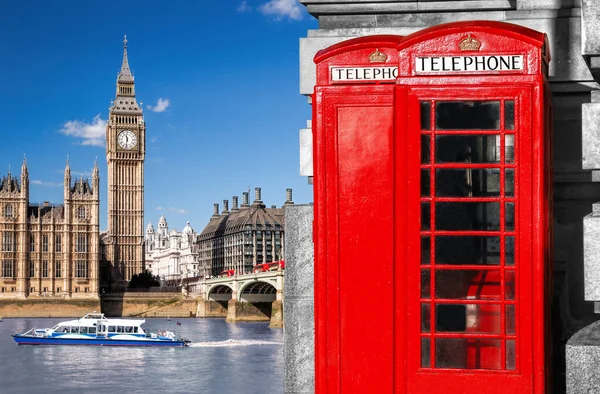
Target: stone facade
[(171, 255), (125, 153), (49, 250), (245, 236)]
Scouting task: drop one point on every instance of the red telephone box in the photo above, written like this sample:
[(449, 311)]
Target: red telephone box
[(432, 213)]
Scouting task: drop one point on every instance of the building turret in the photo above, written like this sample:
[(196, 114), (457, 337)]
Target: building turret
[(67, 181), (96, 179), (24, 180)]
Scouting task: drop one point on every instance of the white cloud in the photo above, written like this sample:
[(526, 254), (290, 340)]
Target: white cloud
[(90, 133), (177, 210), (282, 9), (153, 139), (42, 183), (159, 208), (244, 7), (161, 105)]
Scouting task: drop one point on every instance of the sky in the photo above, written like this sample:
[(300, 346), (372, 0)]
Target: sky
[(219, 84)]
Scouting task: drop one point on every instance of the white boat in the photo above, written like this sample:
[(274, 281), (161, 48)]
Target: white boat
[(96, 329)]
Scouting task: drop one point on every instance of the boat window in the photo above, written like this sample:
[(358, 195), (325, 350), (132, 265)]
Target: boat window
[(92, 330), (111, 328), (83, 330), (64, 329), (74, 330), (135, 329), (120, 329), (129, 329)]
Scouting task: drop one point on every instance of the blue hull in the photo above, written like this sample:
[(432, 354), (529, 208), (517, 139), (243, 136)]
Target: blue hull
[(31, 340)]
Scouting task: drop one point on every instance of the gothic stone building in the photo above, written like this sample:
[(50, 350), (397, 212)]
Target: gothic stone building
[(49, 250), (123, 244), (245, 236)]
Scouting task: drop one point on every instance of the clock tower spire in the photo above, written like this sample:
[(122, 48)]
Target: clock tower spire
[(125, 154)]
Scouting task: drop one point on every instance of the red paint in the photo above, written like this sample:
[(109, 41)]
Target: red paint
[(476, 290)]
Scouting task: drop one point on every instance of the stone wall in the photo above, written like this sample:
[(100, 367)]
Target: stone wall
[(47, 308), (148, 305)]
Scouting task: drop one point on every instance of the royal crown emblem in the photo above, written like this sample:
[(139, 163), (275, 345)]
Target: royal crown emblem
[(469, 44), (377, 57)]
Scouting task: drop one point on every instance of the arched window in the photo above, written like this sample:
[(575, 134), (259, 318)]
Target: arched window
[(8, 211), (81, 213)]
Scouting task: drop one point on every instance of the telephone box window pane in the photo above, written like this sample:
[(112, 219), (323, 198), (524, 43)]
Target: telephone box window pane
[(425, 189), (425, 352), (510, 285), (509, 115), (467, 250), (425, 284), (468, 353), (511, 355), (467, 115), (425, 250), (509, 182), (467, 216), (425, 317), (467, 284), (468, 318), (425, 146), (464, 148), (509, 148), (509, 212), (509, 251), (510, 320), (467, 182), (425, 216), (425, 115)]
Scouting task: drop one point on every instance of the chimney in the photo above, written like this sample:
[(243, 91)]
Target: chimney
[(225, 207), (235, 203), (215, 212), (245, 203), (288, 197), (46, 203), (257, 194), (273, 206)]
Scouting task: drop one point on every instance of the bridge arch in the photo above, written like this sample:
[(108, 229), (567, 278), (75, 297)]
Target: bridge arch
[(220, 292), (257, 291)]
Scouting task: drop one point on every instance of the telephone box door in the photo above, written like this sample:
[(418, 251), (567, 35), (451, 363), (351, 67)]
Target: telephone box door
[(469, 228)]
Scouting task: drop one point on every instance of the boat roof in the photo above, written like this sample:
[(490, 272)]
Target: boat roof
[(92, 318)]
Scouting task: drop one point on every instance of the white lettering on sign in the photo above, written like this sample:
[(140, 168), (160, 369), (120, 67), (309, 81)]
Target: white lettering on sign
[(364, 73), (450, 64)]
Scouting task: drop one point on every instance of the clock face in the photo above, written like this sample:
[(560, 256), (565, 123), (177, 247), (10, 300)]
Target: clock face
[(127, 139)]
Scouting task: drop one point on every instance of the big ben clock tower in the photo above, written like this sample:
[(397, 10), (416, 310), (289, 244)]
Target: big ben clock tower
[(125, 152)]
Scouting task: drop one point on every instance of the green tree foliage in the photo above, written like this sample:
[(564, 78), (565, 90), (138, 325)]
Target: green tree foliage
[(143, 280)]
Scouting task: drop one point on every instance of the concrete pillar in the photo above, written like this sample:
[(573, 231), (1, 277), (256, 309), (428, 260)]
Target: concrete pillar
[(299, 346), (276, 314)]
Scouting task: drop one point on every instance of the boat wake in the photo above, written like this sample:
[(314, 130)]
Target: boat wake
[(234, 343)]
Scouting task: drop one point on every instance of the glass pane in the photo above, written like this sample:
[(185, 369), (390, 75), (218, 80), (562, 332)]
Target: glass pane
[(425, 352), (509, 115), (425, 250), (510, 216), (509, 182), (509, 277), (425, 216), (425, 145), (425, 115), (467, 115), (467, 216), (471, 318), (425, 317), (467, 284), (468, 353), (509, 148), (511, 359), (425, 283), (509, 251), (467, 148), (467, 182), (510, 320), (425, 184), (467, 250)]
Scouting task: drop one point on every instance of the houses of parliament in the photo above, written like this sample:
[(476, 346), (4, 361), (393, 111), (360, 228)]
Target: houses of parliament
[(57, 250)]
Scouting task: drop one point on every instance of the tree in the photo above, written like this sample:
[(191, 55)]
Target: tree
[(143, 280)]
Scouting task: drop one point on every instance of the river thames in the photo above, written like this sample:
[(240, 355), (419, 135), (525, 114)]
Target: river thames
[(242, 358)]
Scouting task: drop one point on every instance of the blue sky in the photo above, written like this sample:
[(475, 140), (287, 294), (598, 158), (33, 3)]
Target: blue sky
[(219, 83)]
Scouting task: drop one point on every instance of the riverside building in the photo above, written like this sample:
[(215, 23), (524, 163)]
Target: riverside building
[(49, 250), (242, 237)]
